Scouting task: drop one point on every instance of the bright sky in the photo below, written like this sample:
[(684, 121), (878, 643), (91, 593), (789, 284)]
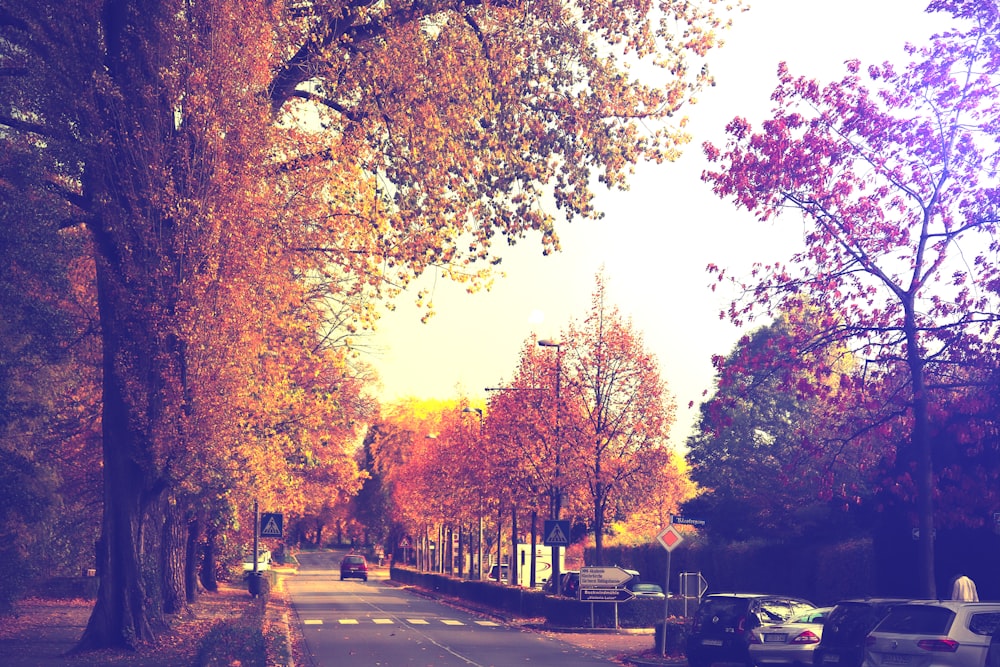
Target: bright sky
[(656, 239)]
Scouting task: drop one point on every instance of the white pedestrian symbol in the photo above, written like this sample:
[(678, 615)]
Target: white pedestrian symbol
[(271, 528), (557, 536)]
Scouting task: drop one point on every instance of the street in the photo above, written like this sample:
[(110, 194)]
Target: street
[(351, 622)]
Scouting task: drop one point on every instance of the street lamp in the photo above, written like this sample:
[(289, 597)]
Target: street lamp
[(479, 547), (557, 490)]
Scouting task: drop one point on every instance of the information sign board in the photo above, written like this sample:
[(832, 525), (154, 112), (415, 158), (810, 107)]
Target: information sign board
[(603, 577), (605, 595)]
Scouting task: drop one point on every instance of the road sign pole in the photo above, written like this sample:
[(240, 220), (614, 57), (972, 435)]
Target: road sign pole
[(256, 534), (666, 608)]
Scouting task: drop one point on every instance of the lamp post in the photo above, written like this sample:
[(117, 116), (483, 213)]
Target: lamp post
[(479, 545), (557, 490)]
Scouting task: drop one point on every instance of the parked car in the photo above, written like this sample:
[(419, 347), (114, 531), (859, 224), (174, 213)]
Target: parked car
[(791, 642), (724, 623), (263, 559), (500, 573), (645, 589), (570, 584), (354, 566), (845, 630), (993, 655), (938, 633)]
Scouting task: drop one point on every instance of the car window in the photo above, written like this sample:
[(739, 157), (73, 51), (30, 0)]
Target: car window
[(810, 616), (985, 623), (354, 560), (774, 611), (729, 610), (648, 588), (917, 620)]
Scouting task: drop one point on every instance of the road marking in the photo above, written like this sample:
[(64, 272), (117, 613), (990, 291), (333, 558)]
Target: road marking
[(390, 621)]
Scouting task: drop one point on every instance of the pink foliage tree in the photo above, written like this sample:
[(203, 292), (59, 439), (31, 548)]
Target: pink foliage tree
[(893, 173)]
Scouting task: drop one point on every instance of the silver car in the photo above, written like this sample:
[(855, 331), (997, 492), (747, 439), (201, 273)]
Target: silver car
[(790, 642), (933, 633)]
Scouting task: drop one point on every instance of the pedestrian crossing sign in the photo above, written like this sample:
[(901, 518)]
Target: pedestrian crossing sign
[(556, 533), (270, 524)]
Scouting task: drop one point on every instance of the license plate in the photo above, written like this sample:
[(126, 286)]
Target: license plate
[(775, 637), (711, 642), (831, 657), (895, 659)]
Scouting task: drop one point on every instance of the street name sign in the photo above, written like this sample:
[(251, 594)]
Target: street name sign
[(684, 521), (605, 595), (602, 577)]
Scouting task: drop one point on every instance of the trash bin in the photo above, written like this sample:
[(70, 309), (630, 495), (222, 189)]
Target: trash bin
[(257, 584)]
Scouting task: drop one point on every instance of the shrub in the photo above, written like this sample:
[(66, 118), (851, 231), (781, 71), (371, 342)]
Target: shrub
[(677, 631), (239, 642)]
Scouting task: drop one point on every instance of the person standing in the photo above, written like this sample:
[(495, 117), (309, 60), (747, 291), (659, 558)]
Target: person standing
[(964, 589)]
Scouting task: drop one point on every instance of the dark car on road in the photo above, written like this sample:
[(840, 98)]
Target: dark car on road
[(569, 584), (724, 622), (843, 640), (354, 566)]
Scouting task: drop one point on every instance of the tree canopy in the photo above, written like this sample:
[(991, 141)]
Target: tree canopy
[(246, 173), (895, 181)]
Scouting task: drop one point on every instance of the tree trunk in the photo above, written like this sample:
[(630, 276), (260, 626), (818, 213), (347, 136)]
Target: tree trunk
[(922, 456), (208, 570), (119, 618), (512, 567), (191, 560), (172, 551)]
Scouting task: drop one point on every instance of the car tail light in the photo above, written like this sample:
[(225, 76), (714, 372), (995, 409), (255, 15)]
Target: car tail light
[(740, 625), (938, 645), (754, 639), (807, 637)]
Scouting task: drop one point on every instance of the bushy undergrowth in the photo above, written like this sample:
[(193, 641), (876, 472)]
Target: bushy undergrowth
[(234, 642)]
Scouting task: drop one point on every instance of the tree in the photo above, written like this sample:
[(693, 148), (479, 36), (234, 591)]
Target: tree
[(765, 451), (254, 149), (617, 415), (895, 184)]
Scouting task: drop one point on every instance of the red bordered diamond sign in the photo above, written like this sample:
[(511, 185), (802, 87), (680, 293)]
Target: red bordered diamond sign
[(669, 538)]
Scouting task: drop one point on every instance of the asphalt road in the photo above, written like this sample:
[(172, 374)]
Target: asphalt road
[(353, 623)]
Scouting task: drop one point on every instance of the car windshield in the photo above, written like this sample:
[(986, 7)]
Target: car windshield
[(728, 610), (354, 560), (773, 611), (810, 616), (917, 620), (647, 588)]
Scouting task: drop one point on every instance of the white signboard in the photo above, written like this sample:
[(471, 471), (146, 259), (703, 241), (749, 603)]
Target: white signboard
[(603, 577)]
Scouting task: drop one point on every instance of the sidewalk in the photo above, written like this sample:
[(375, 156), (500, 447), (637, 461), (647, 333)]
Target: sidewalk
[(43, 632)]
